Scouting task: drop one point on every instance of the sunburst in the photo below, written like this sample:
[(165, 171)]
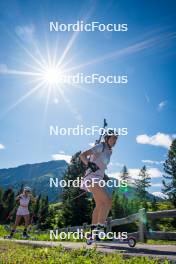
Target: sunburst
[(46, 71)]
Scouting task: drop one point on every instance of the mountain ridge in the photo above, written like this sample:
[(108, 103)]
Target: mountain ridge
[(37, 176)]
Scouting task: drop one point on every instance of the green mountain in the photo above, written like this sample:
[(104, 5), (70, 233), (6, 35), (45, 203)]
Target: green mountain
[(37, 176)]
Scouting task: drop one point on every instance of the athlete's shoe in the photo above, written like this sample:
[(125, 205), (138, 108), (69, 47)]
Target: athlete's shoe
[(25, 235), (100, 229)]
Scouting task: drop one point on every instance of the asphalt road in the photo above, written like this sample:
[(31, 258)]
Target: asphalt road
[(155, 251)]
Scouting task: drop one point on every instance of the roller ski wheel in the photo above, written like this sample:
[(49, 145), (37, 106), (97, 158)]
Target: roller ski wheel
[(89, 240), (92, 240), (8, 237), (131, 242)]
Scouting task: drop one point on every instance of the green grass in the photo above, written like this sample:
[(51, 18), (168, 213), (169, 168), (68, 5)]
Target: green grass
[(161, 242), (11, 253)]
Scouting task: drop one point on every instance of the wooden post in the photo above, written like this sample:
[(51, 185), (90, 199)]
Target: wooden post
[(142, 225), (108, 224)]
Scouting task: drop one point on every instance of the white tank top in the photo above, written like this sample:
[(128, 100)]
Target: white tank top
[(24, 201), (101, 156)]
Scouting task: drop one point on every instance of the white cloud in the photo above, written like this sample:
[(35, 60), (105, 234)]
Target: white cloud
[(161, 105), (61, 152), (160, 194), (117, 164), (156, 184), (67, 158), (159, 139), (114, 175), (26, 33), (134, 173), (2, 146), (153, 162), (155, 173)]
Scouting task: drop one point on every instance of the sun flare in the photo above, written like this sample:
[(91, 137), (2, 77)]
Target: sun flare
[(51, 76)]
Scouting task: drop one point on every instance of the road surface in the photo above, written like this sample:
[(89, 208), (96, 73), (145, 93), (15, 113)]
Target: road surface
[(156, 251)]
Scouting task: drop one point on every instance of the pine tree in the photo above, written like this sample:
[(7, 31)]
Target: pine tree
[(75, 211), (43, 213), (169, 184), (124, 202), (154, 205), (1, 192), (142, 183), (2, 215), (133, 206), (6, 204), (125, 179), (36, 210), (117, 210), (20, 189), (124, 175)]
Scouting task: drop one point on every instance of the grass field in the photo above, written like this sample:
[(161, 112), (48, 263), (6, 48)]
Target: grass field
[(16, 254)]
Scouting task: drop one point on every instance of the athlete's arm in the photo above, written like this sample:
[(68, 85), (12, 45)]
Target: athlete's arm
[(84, 156), (18, 197)]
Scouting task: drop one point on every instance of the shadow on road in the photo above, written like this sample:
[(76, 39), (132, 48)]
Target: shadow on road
[(139, 251)]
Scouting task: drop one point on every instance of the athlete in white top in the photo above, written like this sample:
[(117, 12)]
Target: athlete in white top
[(101, 158), (23, 211)]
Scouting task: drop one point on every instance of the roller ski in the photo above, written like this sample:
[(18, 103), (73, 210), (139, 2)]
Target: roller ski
[(131, 241), (11, 234), (8, 237), (90, 240), (25, 235), (95, 239)]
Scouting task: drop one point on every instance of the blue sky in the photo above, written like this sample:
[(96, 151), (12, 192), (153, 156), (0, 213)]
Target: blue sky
[(145, 105)]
